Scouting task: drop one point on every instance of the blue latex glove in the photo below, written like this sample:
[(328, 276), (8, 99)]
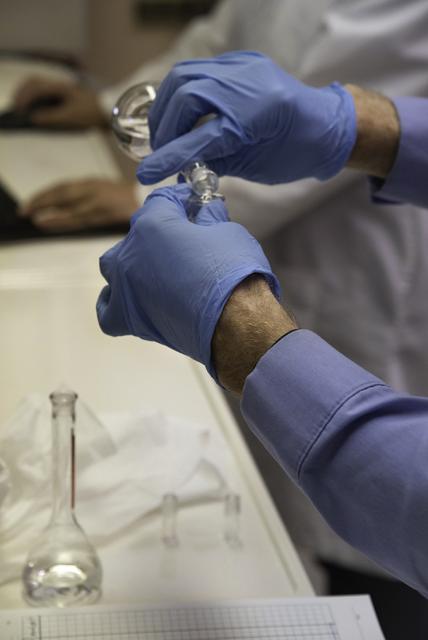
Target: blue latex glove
[(269, 128), (169, 279)]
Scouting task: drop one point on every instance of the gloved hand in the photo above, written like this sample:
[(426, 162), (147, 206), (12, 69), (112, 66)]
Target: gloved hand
[(169, 279), (269, 128)]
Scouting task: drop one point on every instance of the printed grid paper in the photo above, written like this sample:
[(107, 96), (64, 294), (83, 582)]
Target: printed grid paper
[(290, 622), (315, 618)]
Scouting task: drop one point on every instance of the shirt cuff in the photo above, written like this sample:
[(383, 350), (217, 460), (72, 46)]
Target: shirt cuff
[(407, 181), (293, 393)]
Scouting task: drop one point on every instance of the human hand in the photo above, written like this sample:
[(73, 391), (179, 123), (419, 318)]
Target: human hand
[(81, 204), (269, 127), (169, 279), (71, 104)]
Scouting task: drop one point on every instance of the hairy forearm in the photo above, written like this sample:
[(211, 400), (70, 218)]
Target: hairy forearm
[(378, 132), (251, 322)]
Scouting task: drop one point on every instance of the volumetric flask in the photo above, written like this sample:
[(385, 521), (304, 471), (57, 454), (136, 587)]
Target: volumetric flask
[(130, 120), (130, 123), (62, 568)]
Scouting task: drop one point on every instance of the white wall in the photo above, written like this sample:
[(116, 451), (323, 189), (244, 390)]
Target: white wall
[(102, 34), (51, 25)]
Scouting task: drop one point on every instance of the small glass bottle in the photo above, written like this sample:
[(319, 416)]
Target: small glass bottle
[(232, 511), (130, 123), (62, 568), (169, 520)]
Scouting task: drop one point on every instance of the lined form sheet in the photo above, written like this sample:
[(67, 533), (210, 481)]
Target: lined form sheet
[(341, 618)]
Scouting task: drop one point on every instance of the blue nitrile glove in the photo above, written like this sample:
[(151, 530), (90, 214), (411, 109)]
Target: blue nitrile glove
[(269, 128), (169, 279)]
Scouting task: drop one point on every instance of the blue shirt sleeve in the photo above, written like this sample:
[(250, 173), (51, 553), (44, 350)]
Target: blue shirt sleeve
[(358, 449), (408, 179)]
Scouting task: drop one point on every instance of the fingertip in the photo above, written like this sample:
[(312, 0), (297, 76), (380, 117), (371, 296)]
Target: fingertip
[(104, 269), (146, 175), (134, 218), (174, 156), (108, 258), (177, 194), (45, 220), (111, 315), (103, 300), (101, 308), (212, 213)]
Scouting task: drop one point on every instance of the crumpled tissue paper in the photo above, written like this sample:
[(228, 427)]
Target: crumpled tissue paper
[(123, 471)]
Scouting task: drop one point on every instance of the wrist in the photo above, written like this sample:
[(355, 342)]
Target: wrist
[(251, 322), (378, 132)]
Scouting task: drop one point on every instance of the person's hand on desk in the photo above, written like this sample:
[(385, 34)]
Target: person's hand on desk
[(82, 204), (185, 285), (53, 104)]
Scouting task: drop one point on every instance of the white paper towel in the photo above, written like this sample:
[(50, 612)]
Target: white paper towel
[(123, 471)]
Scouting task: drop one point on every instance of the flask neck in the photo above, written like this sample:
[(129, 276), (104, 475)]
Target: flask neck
[(63, 462)]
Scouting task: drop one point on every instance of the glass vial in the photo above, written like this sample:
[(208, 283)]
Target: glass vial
[(62, 568), (169, 520), (232, 512)]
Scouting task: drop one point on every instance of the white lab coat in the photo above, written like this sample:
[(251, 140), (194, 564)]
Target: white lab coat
[(354, 272)]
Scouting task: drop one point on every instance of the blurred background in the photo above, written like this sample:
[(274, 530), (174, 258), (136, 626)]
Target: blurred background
[(105, 40), (108, 38)]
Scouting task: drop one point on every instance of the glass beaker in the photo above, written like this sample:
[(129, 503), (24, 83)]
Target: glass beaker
[(62, 568), (130, 123)]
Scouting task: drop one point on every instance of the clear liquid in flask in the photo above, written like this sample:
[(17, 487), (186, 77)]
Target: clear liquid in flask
[(62, 568)]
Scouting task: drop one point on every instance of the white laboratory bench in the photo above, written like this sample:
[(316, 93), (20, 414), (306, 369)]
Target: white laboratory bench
[(49, 334)]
